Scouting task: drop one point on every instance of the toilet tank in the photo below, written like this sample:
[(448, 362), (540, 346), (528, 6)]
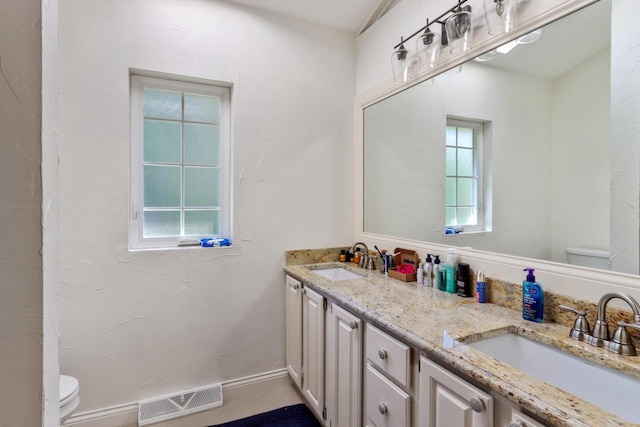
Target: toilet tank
[(588, 257)]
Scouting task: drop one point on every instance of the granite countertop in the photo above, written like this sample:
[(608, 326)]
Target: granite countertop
[(440, 324)]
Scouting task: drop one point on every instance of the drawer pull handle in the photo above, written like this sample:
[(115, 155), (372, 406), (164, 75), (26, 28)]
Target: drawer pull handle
[(382, 353), (516, 424), (476, 404), (353, 324), (382, 408)]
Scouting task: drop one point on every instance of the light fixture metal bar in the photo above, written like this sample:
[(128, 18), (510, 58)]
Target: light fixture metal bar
[(431, 21)]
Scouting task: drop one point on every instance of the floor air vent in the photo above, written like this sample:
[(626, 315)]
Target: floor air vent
[(178, 405)]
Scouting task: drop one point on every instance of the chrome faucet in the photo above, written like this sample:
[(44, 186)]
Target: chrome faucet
[(363, 258), (621, 342)]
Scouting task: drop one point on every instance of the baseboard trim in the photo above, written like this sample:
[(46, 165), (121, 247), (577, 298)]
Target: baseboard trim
[(127, 414)]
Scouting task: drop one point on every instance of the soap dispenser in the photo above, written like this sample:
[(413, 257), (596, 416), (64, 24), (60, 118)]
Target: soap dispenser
[(532, 298)]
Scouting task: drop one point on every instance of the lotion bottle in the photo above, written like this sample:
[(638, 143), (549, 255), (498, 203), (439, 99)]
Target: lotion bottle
[(428, 272), (532, 298), (437, 274)]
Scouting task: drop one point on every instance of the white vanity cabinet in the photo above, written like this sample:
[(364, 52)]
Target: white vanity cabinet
[(305, 340), (447, 400), (388, 371), (518, 419), (343, 368)]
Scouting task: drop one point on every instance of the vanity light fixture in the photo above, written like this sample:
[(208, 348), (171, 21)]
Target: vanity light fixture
[(402, 63), (500, 15), (488, 56), (428, 45), (428, 49), (458, 28)]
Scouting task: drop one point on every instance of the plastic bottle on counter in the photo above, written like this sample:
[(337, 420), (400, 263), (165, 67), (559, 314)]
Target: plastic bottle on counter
[(438, 275), (428, 271), (420, 275)]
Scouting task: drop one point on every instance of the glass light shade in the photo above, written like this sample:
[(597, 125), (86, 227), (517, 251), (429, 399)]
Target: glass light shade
[(459, 29), (500, 15), (403, 63), (428, 50)]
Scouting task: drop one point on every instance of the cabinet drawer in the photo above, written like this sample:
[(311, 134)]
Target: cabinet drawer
[(389, 354), (518, 419), (386, 405)]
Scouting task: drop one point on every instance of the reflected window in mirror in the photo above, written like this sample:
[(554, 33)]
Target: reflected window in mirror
[(464, 176)]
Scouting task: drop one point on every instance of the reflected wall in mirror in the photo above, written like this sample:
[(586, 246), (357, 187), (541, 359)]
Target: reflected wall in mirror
[(544, 171)]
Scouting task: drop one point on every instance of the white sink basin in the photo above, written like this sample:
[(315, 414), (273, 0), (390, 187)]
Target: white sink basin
[(336, 274), (604, 387)]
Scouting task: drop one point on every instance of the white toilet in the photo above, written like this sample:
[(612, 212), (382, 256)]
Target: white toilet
[(69, 398), (588, 257)]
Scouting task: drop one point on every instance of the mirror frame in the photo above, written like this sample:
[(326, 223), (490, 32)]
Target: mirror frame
[(534, 14)]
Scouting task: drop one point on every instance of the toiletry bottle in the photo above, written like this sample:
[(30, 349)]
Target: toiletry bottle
[(481, 288), (420, 274), (437, 274), (428, 272), (463, 280), (450, 268), (532, 298), (343, 256), (383, 261)]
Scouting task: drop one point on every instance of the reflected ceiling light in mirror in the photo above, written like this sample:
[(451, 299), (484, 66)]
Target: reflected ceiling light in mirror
[(459, 28), (500, 15), (402, 63), (486, 56), (526, 39), (428, 49)]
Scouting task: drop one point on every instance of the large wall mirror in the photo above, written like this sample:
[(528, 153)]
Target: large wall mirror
[(517, 151)]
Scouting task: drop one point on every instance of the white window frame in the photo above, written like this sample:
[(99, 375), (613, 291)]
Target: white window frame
[(478, 169), (138, 84)]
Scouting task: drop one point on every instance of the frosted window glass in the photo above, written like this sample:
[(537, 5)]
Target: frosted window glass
[(465, 162), (451, 136), (201, 108), (451, 161), (467, 216), (162, 186), (202, 187), (201, 222), (162, 104), (450, 214), (465, 137), (465, 191), (451, 192), (161, 224), (162, 141), (202, 144)]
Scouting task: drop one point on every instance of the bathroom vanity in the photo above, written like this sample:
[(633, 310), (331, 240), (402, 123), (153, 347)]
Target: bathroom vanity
[(397, 354)]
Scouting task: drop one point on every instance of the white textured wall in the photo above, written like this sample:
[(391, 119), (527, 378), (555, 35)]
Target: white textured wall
[(21, 294), (581, 152), (137, 325), (625, 122)]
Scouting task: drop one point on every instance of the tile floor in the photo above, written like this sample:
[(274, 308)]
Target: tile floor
[(283, 394)]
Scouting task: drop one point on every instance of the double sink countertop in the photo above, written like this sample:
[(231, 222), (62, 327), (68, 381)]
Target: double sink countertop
[(439, 324)]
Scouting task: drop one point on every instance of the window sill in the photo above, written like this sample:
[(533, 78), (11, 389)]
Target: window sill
[(178, 248)]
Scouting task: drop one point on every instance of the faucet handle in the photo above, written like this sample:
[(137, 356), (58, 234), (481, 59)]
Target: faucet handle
[(621, 342), (581, 327)]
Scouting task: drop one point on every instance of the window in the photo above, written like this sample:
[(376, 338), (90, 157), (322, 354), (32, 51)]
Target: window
[(180, 162), (464, 175)]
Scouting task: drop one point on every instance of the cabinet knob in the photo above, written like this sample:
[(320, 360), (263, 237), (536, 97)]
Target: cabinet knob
[(353, 324), (382, 408), (476, 404), (296, 286), (303, 291), (382, 353), (516, 424)]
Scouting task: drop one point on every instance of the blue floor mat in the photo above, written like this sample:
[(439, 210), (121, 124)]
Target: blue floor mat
[(289, 416)]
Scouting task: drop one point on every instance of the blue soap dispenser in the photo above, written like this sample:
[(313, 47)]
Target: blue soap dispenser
[(532, 298)]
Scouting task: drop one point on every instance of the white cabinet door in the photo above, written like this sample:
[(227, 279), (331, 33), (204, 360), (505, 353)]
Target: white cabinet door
[(293, 330), (313, 316), (446, 400), (344, 368)]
